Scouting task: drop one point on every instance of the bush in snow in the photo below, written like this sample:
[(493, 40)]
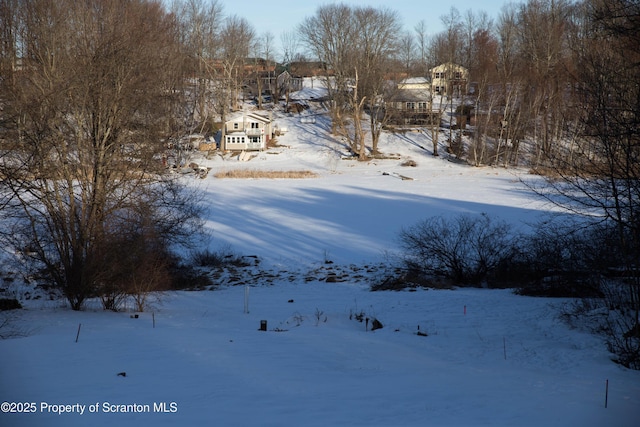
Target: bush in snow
[(612, 315), (464, 249), (9, 304)]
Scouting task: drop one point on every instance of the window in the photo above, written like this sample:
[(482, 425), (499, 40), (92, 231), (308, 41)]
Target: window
[(236, 125), (422, 105), (255, 125), (458, 75), (411, 105)]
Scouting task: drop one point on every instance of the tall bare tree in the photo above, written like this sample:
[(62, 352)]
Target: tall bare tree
[(264, 51), (378, 37), (357, 44), (290, 45), (542, 43), (328, 37), (236, 39), (602, 173), (199, 24), (407, 53), (422, 47), (9, 36), (86, 118), (596, 168)]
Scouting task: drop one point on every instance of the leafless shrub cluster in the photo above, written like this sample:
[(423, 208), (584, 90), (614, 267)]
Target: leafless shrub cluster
[(464, 249)]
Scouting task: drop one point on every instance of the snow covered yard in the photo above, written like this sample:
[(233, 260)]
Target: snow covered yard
[(482, 358), (490, 358)]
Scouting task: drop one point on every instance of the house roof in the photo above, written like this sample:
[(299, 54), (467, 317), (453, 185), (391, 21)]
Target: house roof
[(249, 116), (414, 81), (448, 66), (410, 95)]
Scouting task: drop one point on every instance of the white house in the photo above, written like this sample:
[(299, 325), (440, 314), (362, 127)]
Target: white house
[(449, 79), (411, 103), (246, 131)]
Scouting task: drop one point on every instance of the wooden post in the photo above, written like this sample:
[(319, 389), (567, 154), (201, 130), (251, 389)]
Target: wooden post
[(153, 317), (606, 394), (78, 334), (504, 345)]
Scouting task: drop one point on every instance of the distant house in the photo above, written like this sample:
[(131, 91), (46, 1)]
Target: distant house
[(246, 131), (258, 81), (287, 82), (271, 83), (410, 103), (449, 79)]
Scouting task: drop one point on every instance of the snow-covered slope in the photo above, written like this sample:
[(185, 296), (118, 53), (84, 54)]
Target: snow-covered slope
[(353, 210)]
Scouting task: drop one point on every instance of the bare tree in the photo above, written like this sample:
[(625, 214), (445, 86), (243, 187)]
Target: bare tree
[(447, 48), (407, 53), (9, 36), (89, 110), (236, 38), (199, 24), (450, 50), (290, 46), (290, 52), (264, 50), (378, 38), (507, 31), (328, 35), (357, 43), (487, 93), (422, 47), (602, 174), (596, 169), (542, 42), (268, 49)]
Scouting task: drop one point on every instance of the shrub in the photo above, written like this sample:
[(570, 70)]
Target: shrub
[(612, 315), (568, 259), (465, 249), (9, 304), (224, 257), (411, 279), (186, 277)]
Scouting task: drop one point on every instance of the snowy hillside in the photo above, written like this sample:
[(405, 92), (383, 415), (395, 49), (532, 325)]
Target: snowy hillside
[(463, 357), (353, 210)]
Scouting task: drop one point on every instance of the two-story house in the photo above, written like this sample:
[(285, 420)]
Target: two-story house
[(450, 80), (246, 131)]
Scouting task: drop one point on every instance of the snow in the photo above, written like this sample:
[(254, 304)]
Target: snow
[(490, 358)]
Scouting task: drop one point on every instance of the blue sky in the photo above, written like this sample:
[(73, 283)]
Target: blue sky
[(278, 16)]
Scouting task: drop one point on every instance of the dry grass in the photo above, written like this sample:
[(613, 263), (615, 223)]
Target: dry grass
[(253, 174)]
